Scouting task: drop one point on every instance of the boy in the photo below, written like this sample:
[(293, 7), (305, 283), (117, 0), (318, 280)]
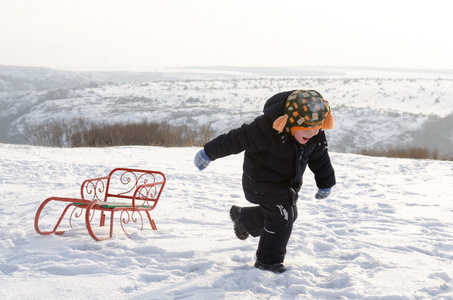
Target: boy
[(278, 146)]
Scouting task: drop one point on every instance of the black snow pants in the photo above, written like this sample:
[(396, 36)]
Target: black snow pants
[(273, 224)]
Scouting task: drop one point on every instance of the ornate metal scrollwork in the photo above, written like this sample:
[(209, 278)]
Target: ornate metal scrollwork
[(78, 212), (94, 189), (130, 217)]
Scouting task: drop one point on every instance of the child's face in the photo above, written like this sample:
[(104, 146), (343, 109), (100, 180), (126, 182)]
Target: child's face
[(302, 136)]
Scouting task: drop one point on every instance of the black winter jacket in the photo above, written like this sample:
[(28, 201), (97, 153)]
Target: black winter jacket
[(274, 163)]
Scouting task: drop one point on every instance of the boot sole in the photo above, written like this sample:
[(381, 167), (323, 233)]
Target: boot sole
[(240, 232)]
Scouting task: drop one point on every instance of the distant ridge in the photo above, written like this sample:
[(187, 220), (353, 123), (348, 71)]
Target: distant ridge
[(315, 70), (268, 71)]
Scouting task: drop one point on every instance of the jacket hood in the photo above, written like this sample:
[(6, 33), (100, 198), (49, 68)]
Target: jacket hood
[(273, 108)]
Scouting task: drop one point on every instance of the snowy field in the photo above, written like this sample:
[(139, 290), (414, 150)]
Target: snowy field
[(372, 110), (386, 232)]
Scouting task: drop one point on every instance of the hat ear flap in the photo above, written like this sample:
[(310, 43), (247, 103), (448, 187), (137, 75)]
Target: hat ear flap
[(280, 122), (328, 122)]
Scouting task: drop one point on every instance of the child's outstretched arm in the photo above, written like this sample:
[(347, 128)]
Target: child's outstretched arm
[(250, 137)]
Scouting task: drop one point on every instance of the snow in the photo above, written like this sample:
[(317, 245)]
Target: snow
[(386, 231), (370, 113)]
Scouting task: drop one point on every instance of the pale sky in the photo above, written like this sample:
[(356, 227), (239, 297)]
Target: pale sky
[(146, 34)]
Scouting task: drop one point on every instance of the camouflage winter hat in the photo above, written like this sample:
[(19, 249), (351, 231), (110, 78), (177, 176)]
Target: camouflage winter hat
[(305, 110)]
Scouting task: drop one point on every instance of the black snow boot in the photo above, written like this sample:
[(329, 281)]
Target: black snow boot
[(276, 268), (239, 229)]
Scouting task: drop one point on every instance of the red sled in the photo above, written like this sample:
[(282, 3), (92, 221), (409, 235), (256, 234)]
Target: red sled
[(132, 193)]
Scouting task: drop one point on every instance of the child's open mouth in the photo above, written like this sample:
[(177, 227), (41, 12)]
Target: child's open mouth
[(303, 140)]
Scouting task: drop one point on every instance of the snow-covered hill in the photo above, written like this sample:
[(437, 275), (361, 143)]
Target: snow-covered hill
[(14, 78), (370, 112), (386, 232)]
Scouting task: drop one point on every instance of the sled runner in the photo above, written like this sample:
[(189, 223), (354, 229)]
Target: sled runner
[(130, 192)]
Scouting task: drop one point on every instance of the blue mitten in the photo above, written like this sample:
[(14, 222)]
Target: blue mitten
[(322, 193), (201, 160)]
